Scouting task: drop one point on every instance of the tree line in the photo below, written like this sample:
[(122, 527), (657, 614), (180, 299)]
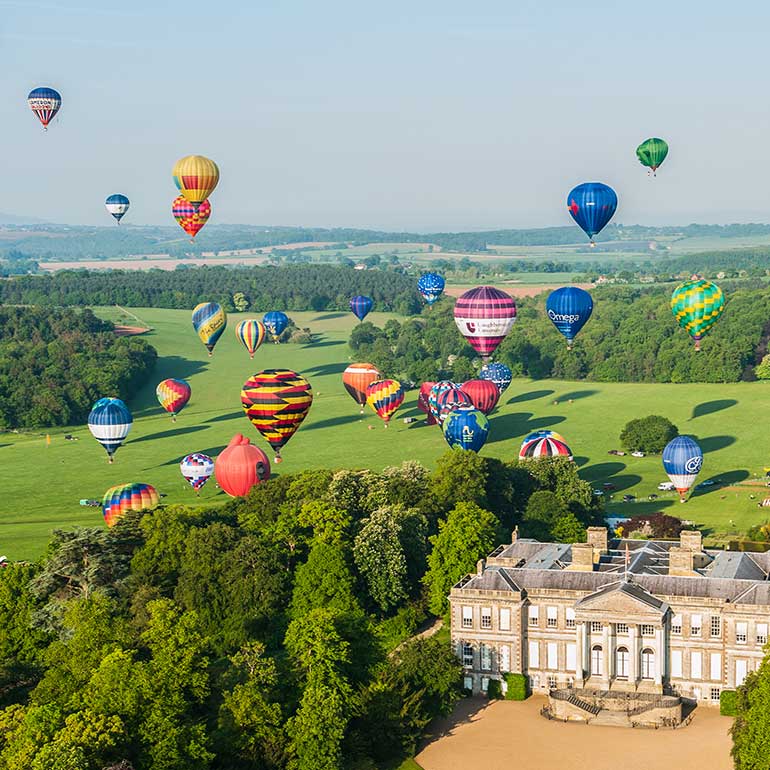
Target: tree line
[(631, 337), (266, 633), (54, 363)]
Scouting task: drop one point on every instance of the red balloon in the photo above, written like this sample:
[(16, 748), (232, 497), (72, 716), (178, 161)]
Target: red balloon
[(241, 466), (422, 402), (483, 394)]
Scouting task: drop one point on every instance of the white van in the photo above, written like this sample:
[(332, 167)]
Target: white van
[(666, 486)]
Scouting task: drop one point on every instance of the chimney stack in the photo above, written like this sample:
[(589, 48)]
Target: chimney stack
[(582, 557), (597, 537), (480, 564)]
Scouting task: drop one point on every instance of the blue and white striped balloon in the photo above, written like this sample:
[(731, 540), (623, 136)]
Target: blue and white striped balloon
[(117, 205), (682, 461), (110, 422)]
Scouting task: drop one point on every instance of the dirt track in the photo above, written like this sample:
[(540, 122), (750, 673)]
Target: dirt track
[(505, 735)]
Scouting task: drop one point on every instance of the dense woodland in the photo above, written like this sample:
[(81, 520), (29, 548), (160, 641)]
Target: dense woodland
[(263, 634), (55, 363), (631, 337)]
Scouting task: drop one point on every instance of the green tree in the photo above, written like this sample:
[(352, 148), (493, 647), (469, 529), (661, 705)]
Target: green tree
[(460, 477), (751, 729), (568, 529), (544, 510), (648, 434), (468, 533), (240, 302), (762, 370)]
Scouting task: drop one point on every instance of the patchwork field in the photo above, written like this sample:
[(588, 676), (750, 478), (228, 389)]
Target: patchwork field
[(42, 485)]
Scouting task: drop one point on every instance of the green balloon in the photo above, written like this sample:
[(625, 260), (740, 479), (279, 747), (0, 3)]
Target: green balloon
[(652, 152)]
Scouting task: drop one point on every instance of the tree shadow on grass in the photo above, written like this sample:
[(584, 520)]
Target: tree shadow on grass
[(639, 508), (601, 471), (323, 344), (715, 443), (510, 426), (332, 422), (576, 394), (530, 396), (709, 407), (169, 433)]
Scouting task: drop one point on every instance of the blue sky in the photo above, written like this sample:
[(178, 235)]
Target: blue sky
[(407, 114)]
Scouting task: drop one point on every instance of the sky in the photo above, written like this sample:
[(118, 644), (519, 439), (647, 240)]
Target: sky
[(411, 114)]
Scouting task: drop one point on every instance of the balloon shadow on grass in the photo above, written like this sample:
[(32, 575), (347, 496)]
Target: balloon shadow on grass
[(324, 369), (510, 426), (329, 316), (169, 433), (721, 480), (323, 344), (576, 394), (637, 508), (601, 471), (709, 407), (530, 396), (334, 421), (715, 443), (226, 417), (211, 451)]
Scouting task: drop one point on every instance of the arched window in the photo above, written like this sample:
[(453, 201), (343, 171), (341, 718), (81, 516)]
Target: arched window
[(621, 663), (597, 660), (648, 664)]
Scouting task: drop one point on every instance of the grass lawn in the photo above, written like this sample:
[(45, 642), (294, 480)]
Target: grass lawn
[(43, 484)]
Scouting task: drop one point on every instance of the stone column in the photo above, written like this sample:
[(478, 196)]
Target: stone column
[(607, 657), (659, 652), (633, 653), (580, 650)]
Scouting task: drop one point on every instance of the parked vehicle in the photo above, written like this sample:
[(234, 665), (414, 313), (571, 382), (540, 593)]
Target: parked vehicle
[(629, 498), (637, 454), (666, 486)]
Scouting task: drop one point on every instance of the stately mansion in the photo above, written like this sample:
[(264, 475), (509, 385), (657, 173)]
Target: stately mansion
[(615, 617)]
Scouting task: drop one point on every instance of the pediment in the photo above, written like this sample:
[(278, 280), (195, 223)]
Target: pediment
[(623, 599)]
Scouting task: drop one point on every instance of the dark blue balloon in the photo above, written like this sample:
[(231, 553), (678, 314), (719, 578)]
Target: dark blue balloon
[(430, 286), (467, 428), (275, 322), (498, 373), (569, 308), (361, 306), (682, 461), (592, 205)]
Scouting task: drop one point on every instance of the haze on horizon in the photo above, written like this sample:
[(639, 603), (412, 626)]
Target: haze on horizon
[(409, 116)]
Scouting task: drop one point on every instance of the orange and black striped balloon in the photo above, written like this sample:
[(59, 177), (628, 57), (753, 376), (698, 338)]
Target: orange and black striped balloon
[(276, 401), (357, 378)]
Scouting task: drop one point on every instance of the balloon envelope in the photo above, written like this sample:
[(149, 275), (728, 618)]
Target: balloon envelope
[(117, 205), (569, 308), (197, 469), (190, 219), (423, 403), (110, 422), (276, 401), (251, 335), (361, 306), (275, 322), (449, 399), (173, 395), (483, 394), (195, 177), (357, 378), (544, 443), (437, 389), (466, 428), (209, 321), (484, 316), (592, 205), (652, 152), (498, 373), (682, 461), (385, 396), (697, 305), (127, 497), (45, 103), (240, 466), (430, 286)]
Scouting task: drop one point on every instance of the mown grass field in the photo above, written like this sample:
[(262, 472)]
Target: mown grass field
[(42, 485)]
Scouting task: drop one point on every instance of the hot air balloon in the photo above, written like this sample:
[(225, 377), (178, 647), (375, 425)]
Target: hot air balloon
[(122, 498), (592, 205), (361, 306), (449, 399), (197, 469), (109, 422), (45, 103), (484, 316), (697, 305), (117, 205), (357, 378), (173, 395), (195, 178), (569, 308), (385, 396), (544, 443), (437, 389), (682, 461), (190, 219), (466, 428), (275, 322), (423, 403), (209, 321), (276, 401), (430, 286), (241, 466), (651, 153), (251, 334), (498, 373), (483, 394)]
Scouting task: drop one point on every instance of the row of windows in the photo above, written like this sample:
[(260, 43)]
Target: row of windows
[(486, 654), (504, 618)]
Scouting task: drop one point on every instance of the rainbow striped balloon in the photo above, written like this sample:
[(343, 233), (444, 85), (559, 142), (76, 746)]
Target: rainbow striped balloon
[(173, 395), (484, 316), (697, 305), (251, 334), (385, 396), (127, 497)]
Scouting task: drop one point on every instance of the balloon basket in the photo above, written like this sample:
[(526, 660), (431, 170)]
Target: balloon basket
[(278, 459), (173, 418), (110, 461)]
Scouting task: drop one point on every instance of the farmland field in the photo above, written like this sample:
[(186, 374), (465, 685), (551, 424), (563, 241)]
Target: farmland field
[(47, 482)]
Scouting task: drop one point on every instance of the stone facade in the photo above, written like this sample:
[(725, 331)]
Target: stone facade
[(620, 616)]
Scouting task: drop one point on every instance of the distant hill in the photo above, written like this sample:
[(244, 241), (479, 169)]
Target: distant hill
[(18, 219)]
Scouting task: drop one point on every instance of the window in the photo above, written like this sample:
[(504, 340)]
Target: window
[(467, 617), (505, 658), (468, 655), (676, 625), (553, 656), (741, 669), (569, 617), (468, 683), (648, 630), (571, 656), (648, 664), (596, 627), (597, 659), (505, 619), (714, 695), (551, 682), (761, 633), (534, 618), (534, 682), (486, 657), (676, 664), (696, 661), (716, 627), (695, 625), (551, 616), (484, 683), (534, 655), (741, 632), (716, 667), (621, 663), (621, 629), (486, 617)]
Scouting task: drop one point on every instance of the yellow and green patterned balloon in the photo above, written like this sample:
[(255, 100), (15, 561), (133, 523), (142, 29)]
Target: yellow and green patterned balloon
[(652, 152), (697, 305)]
